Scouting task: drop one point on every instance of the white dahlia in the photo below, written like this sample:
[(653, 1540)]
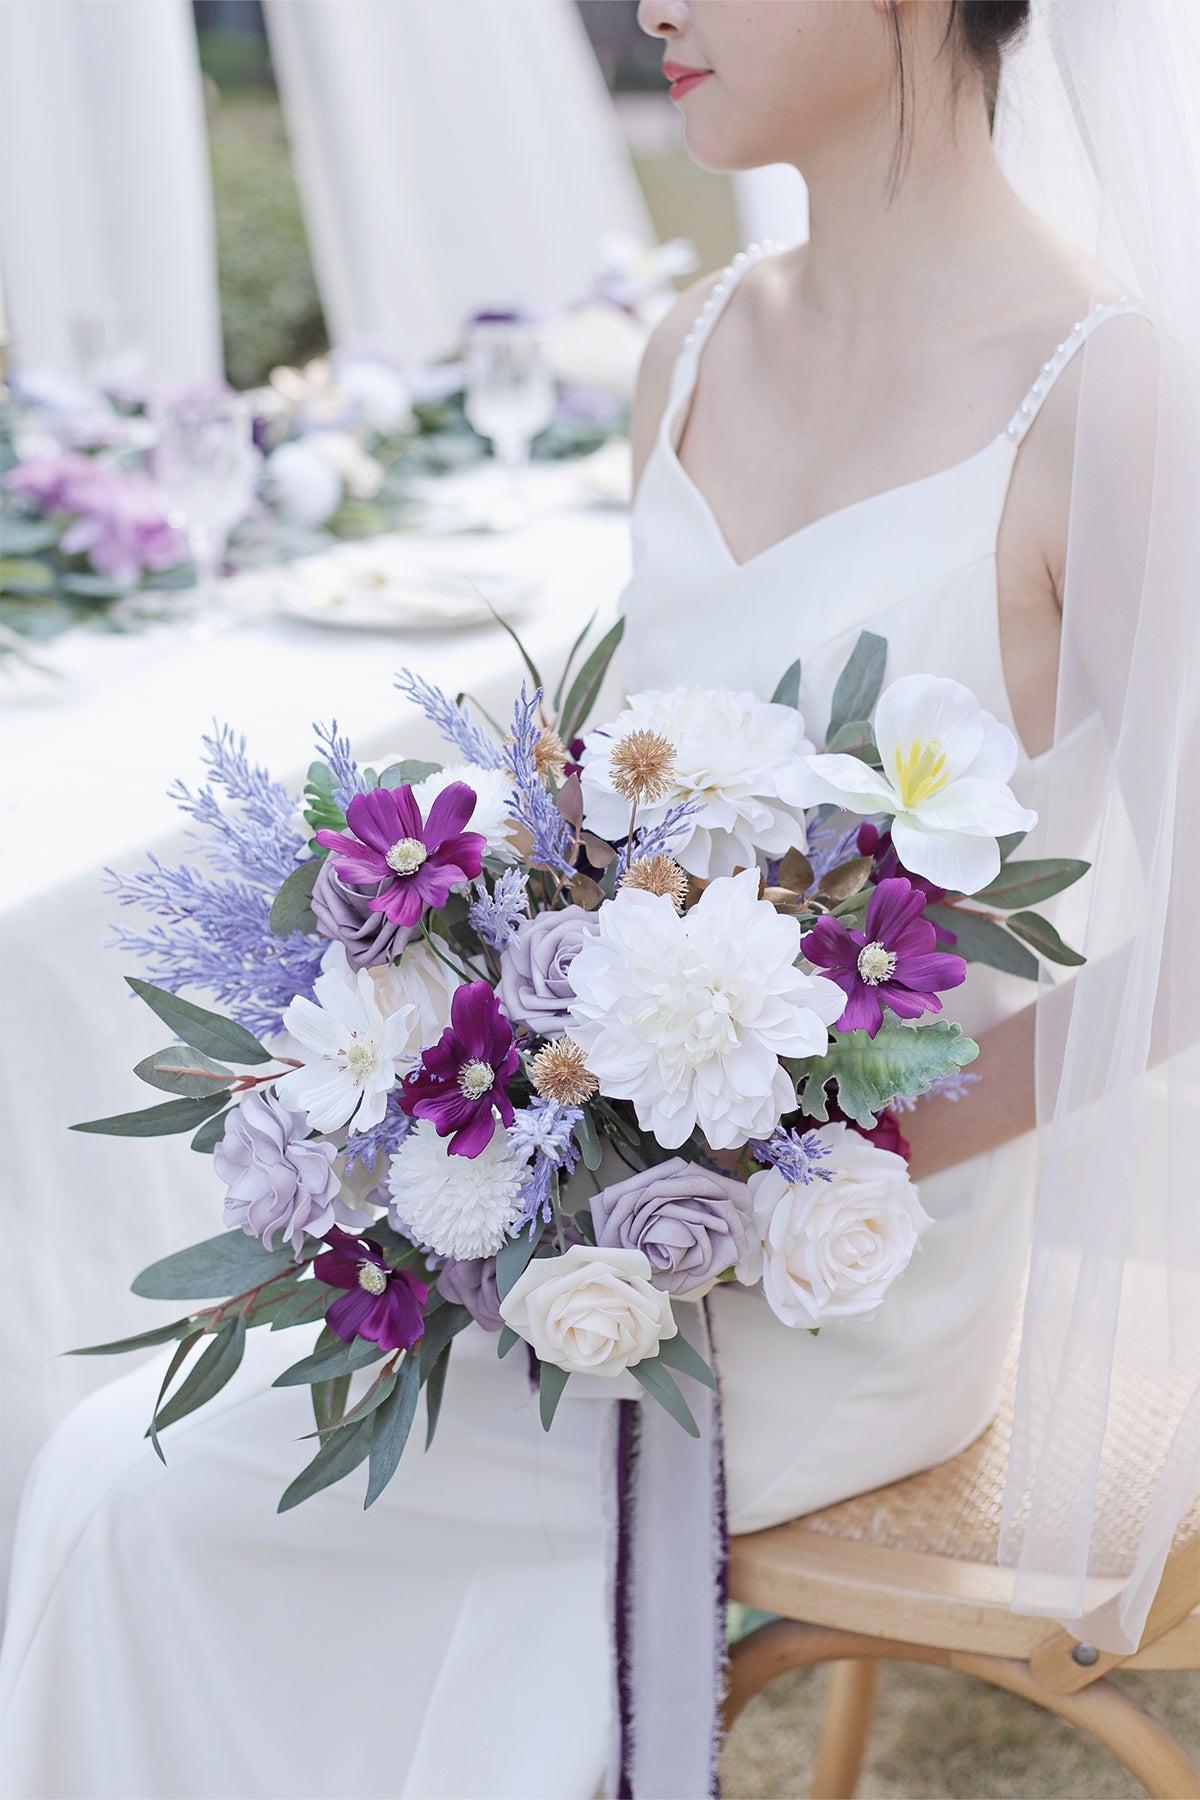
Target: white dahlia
[(493, 802), (460, 1206), (734, 754), (688, 1016)]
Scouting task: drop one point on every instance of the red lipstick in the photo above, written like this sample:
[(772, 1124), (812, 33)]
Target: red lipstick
[(682, 78)]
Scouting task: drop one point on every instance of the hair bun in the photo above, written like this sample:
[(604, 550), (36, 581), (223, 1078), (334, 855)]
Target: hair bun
[(988, 27)]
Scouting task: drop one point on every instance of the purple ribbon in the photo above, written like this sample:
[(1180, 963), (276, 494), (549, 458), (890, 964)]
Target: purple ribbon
[(670, 1583)]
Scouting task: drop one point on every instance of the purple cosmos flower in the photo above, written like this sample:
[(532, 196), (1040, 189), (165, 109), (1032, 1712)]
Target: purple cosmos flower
[(415, 861), (892, 962), (465, 1074), (383, 1304), (869, 840)]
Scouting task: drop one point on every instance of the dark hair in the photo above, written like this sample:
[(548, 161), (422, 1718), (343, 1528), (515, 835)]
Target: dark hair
[(980, 30)]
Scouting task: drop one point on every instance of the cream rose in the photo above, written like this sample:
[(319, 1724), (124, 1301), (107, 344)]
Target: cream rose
[(831, 1249), (591, 1312)]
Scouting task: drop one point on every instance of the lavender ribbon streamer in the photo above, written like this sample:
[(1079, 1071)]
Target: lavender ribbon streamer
[(669, 1577)]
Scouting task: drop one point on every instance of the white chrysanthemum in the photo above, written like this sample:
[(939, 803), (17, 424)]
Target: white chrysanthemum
[(944, 781), (422, 981), (733, 754), (351, 1054), (688, 1016), (460, 1206), (493, 802)]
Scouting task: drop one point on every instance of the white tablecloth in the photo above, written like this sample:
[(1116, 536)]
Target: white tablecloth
[(85, 773)]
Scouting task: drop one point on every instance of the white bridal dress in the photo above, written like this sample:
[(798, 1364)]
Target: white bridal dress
[(170, 1635)]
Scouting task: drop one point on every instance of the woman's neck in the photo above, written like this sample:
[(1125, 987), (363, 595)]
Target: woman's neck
[(893, 226)]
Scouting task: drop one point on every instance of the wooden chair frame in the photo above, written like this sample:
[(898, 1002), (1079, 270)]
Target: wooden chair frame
[(858, 1604)]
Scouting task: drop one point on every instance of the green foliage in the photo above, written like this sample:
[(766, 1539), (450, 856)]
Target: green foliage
[(984, 941), (871, 1071), (156, 1121), (181, 1070), (859, 683), (1030, 882), (660, 1386), (551, 1382), (197, 1026), (291, 909), (215, 1368), (787, 691), (321, 810), (392, 1423), (231, 1263), (581, 696)]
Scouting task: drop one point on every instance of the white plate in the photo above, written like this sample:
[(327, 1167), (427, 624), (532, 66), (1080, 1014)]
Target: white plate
[(359, 596)]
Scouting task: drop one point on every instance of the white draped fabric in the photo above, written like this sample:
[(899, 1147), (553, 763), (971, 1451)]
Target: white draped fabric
[(80, 1215), (450, 158), (105, 205)]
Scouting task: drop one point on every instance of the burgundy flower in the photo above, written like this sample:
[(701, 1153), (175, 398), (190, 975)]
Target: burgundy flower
[(465, 1074), (416, 861), (892, 962), (885, 1134), (383, 1304)]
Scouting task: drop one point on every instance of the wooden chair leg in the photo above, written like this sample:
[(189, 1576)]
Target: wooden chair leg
[(1147, 1748), (849, 1705)]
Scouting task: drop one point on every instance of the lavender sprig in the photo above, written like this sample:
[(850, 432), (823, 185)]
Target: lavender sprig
[(954, 1086), (828, 849), (544, 1131), (653, 840), (348, 778), (493, 917), (454, 722), (382, 1140), (259, 840), (795, 1154), (532, 802)]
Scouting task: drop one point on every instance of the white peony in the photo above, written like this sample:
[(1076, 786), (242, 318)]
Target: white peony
[(831, 1249), (589, 1311), (734, 754), (688, 1016), (493, 802), (422, 982), (944, 781), (459, 1206), (352, 1055)]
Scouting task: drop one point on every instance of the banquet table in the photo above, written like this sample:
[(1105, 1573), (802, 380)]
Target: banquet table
[(88, 760)]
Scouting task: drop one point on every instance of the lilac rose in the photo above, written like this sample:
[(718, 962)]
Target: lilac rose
[(344, 914), (535, 968), (471, 1282), (279, 1180), (691, 1223)]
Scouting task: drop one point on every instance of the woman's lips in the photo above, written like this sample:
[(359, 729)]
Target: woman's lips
[(683, 79)]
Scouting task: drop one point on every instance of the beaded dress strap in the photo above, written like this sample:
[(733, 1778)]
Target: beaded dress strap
[(1053, 367), (719, 296)]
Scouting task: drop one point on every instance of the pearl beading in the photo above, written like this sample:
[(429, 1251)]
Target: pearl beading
[(1036, 394), (1053, 367)]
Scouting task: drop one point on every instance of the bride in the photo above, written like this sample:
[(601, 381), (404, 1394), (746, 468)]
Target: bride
[(874, 431)]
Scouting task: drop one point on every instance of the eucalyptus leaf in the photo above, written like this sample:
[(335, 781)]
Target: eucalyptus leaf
[(306, 1303), (435, 1387), (210, 1133), (291, 909), (393, 1422), (504, 625), (859, 683), (1029, 883), (983, 941), (197, 1026), (182, 1352), (505, 1341), (338, 1457), (156, 1121), (181, 1070), (586, 1138), (587, 684), (162, 1334), (572, 653), (512, 1258), (336, 1359), (25, 537), (856, 738), (551, 1382), (328, 1400), (787, 689), (208, 1375), (214, 1270), (677, 1353), (408, 772), (441, 1326), (374, 1398), (1010, 842), (899, 1059), (1045, 940), (23, 575), (659, 1385)]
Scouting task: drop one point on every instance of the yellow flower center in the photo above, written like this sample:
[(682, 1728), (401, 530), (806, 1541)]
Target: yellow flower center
[(920, 773), (406, 856), (371, 1278), (875, 964), (362, 1059)]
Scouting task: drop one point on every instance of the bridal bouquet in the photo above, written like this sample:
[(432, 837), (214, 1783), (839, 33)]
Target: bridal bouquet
[(561, 1035)]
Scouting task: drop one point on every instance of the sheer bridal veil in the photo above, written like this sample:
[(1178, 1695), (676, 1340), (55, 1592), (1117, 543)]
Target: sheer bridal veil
[(1098, 126)]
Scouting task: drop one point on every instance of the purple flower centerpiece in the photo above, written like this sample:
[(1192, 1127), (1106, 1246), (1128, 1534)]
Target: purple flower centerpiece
[(413, 862), (891, 962), (462, 1080), (691, 1222), (382, 1304), (279, 1179)]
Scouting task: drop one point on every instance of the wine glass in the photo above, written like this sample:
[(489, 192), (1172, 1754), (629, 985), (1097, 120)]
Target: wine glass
[(205, 463), (509, 392)]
